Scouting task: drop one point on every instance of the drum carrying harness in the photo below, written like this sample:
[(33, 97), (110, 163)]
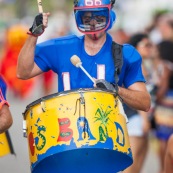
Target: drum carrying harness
[(117, 53), (118, 62), (118, 59)]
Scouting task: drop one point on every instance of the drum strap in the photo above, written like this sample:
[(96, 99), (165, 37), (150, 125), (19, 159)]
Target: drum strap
[(118, 59), (117, 53)]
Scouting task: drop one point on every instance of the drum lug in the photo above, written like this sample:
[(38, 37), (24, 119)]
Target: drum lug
[(82, 99), (43, 106)]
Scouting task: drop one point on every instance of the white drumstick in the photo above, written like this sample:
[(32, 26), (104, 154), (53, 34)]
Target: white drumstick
[(75, 60), (40, 7)]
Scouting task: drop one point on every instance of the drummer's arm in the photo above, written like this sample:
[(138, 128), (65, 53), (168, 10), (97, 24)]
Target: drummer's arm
[(136, 96), (26, 67), (5, 118)]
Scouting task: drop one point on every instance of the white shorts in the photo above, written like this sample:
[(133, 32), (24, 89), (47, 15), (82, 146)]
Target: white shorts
[(134, 126)]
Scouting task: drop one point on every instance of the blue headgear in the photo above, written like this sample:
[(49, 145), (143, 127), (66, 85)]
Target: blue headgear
[(112, 19), (101, 8)]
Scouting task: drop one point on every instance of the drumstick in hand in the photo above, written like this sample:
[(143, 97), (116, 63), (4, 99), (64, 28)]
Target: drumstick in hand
[(40, 7), (75, 60)]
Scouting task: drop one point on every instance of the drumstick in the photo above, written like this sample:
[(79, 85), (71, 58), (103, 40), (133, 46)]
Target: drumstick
[(40, 7), (75, 60)]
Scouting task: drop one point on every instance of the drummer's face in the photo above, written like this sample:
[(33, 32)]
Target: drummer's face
[(92, 20)]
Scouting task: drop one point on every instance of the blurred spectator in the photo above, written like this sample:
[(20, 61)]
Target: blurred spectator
[(152, 29), (162, 27), (168, 161), (14, 40), (139, 125), (165, 26), (164, 109), (119, 36)]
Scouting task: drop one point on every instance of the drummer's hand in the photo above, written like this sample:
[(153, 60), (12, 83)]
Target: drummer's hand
[(101, 83), (39, 24)]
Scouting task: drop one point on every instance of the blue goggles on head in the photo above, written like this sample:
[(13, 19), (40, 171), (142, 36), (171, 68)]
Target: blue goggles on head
[(91, 20)]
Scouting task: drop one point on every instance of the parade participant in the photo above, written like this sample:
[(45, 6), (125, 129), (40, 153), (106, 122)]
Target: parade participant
[(164, 109), (5, 114), (168, 166), (93, 18), (139, 124), (14, 39)]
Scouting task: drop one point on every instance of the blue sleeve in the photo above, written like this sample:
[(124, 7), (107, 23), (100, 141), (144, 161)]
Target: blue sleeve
[(44, 55), (133, 63), (3, 88), (54, 53)]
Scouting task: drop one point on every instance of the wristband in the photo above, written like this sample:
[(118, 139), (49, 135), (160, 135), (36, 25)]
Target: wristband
[(29, 33)]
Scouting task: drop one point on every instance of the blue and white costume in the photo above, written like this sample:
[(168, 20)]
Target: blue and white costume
[(3, 88), (55, 54)]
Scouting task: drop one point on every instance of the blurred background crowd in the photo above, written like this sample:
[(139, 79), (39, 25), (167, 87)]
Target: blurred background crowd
[(146, 24)]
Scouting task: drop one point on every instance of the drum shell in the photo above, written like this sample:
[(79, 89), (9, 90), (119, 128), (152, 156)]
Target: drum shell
[(4, 146), (77, 124)]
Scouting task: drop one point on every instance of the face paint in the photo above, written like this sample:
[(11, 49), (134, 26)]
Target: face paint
[(96, 36), (92, 22)]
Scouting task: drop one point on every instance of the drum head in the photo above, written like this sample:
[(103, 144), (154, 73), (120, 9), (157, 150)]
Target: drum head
[(86, 160)]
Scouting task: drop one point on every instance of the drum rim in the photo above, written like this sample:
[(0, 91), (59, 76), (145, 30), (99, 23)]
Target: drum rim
[(65, 93)]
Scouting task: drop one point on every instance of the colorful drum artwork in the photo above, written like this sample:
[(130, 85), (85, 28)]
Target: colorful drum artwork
[(77, 131)]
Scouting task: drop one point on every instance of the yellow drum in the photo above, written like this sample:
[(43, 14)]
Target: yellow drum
[(77, 131), (5, 144)]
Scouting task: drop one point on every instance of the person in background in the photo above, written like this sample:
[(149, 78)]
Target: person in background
[(165, 26), (164, 109), (152, 29), (5, 114), (168, 160), (120, 36), (13, 41), (139, 124)]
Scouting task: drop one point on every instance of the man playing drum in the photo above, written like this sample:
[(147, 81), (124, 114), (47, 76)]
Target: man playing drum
[(93, 18)]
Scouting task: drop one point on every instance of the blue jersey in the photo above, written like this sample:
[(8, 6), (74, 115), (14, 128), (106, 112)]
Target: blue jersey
[(55, 54), (3, 88)]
